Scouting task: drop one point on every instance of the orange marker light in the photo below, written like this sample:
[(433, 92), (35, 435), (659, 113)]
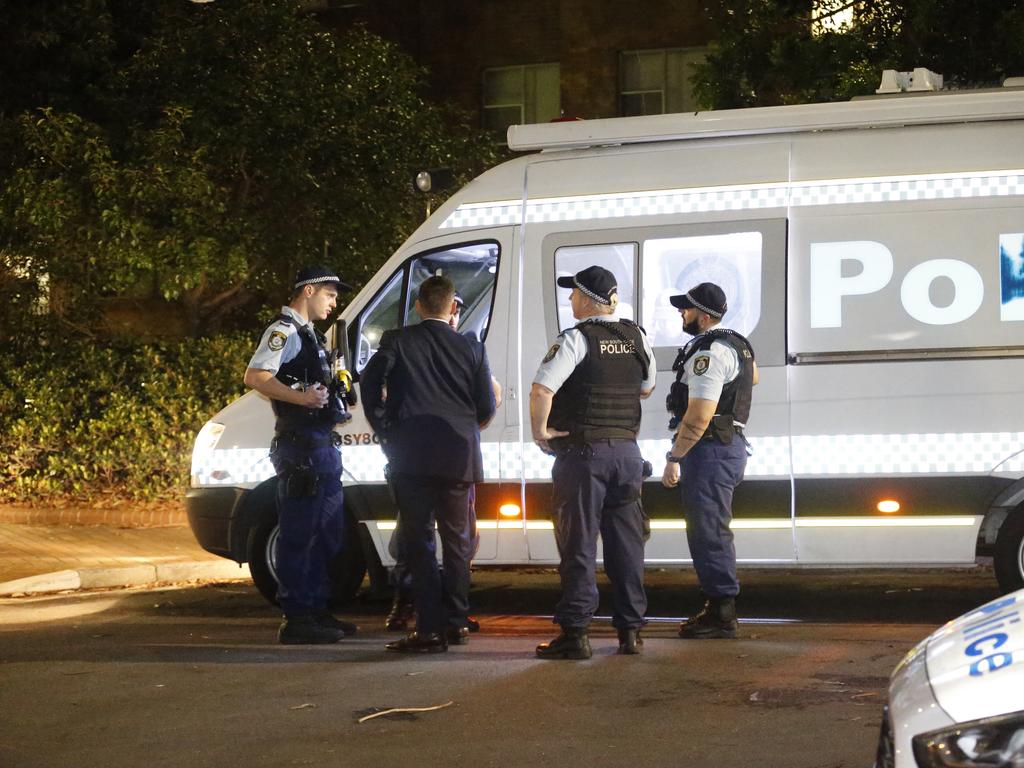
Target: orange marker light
[(509, 510), (889, 506)]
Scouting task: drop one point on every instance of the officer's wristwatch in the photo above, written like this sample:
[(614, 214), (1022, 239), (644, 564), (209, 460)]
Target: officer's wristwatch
[(673, 459)]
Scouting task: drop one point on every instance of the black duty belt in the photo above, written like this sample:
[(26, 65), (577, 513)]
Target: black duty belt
[(308, 441)]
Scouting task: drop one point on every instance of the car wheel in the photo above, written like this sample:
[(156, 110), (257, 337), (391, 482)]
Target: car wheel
[(263, 557), (347, 571), (1009, 553)]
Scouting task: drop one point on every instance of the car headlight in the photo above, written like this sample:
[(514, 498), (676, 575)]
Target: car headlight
[(993, 742), (202, 450)]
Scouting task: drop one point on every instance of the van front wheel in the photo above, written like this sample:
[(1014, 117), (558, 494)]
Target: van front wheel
[(347, 570), (1009, 553)]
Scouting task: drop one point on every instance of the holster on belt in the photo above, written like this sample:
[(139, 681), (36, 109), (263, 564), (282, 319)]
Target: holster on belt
[(721, 429)]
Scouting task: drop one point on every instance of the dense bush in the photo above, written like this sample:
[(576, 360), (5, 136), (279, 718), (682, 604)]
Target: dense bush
[(84, 420)]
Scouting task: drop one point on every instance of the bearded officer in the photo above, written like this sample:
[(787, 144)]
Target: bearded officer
[(291, 367), (585, 410), (710, 403)]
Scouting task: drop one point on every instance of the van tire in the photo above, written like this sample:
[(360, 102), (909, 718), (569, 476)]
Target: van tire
[(262, 546), (1009, 552), (347, 571)]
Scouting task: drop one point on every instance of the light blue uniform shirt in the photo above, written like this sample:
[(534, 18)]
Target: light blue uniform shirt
[(280, 343), (569, 351), (706, 372)]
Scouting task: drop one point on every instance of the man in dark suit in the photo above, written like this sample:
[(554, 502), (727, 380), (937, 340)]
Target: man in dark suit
[(427, 392)]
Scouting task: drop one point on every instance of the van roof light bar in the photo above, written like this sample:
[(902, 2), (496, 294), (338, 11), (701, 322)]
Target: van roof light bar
[(921, 79), (924, 109)]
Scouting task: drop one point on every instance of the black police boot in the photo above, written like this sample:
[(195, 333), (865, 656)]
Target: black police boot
[(306, 630), (401, 614), (573, 643), (329, 620), (716, 620), (630, 642)]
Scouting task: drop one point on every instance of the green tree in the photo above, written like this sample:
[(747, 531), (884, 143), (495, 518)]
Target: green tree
[(213, 149), (767, 52)]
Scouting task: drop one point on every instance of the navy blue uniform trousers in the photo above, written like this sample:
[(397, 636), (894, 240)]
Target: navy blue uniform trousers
[(597, 491), (310, 517), (422, 501), (710, 473)]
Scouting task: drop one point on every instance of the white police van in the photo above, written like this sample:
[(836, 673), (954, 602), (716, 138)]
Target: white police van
[(955, 701), (872, 251)]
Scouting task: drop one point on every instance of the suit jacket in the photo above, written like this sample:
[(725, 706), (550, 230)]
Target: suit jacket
[(438, 393)]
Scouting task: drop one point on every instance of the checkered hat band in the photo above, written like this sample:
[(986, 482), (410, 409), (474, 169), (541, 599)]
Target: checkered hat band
[(594, 296), (702, 308), (314, 280)]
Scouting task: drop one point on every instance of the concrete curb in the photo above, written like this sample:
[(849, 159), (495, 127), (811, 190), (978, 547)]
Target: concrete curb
[(130, 576)]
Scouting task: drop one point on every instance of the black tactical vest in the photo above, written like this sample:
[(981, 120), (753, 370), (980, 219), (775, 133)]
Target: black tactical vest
[(310, 366), (601, 398), (735, 398)]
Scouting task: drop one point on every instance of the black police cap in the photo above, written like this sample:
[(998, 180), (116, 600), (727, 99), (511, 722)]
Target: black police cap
[(596, 282), (706, 297), (319, 275)]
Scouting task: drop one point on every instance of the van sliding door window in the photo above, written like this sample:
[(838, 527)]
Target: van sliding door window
[(674, 265), (473, 268), (618, 258)]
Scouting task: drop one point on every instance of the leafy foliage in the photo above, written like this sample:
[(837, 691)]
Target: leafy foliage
[(767, 52), (84, 422), (207, 150)]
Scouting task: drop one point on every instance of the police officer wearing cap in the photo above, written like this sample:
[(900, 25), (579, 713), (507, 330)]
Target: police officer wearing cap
[(585, 410), (710, 403), (292, 369)]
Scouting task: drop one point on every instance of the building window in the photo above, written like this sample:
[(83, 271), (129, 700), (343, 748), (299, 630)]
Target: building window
[(658, 82), (518, 95)]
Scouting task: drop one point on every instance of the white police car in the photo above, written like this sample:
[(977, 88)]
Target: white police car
[(957, 699)]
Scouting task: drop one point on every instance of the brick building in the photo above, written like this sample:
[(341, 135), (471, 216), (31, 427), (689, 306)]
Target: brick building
[(527, 61)]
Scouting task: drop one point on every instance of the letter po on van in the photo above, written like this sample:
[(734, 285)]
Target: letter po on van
[(829, 286)]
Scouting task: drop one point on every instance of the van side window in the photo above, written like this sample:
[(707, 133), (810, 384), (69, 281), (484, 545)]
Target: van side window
[(382, 314), (472, 267), (673, 265), (618, 258)]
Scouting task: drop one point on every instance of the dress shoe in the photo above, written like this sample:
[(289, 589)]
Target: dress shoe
[(329, 620), (306, 630), (716, 621), (472, 624), (571, 644), (630, 642), (457, 635), (400, 616), (415, 642)]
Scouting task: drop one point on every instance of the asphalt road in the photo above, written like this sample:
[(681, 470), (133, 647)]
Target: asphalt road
[(193, 677)]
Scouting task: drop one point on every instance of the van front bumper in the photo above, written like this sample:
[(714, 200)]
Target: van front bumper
[(212, 514)]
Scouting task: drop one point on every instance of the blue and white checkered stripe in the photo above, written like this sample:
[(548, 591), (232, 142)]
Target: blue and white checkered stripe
[(813, 456), (737, 197)]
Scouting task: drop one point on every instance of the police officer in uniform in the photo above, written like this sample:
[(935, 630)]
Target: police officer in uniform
[(585, 410), (291, 367), (710, 403)]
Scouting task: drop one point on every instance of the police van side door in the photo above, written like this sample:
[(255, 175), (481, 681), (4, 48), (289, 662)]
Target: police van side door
[(476, 263)]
